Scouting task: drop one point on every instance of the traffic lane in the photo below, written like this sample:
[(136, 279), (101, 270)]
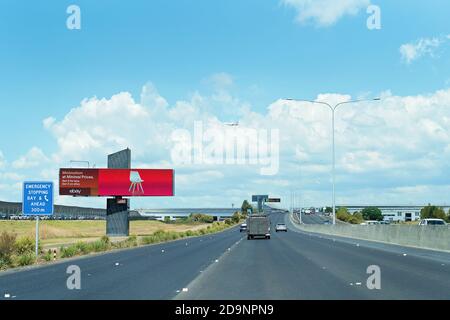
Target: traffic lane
[(403, 275), (268, 269), (141, 273), (315, 219), (436, 255), (300, 266)]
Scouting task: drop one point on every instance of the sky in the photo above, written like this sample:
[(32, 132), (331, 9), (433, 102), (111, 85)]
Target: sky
[(139, 74)]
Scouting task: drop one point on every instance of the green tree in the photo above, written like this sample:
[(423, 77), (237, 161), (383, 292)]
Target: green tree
[(342, 214), (328, 210), (245, 206), (358, 217), (236, 217), (432, 212), (372, 213), (166, 219)]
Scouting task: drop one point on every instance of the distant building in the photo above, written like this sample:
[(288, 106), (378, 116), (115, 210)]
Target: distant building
[(396, 213)]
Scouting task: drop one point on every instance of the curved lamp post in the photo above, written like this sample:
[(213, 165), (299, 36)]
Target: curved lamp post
[(333, 109)]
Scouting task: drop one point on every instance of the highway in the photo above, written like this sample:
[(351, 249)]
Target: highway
[(315, 219), (227, 266)]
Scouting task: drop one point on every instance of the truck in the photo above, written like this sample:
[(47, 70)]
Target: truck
[(258, 225)]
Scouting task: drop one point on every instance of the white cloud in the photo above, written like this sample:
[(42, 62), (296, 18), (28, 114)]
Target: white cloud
[(221, 80), (2, 160), (419, 48), (34, 158), (190, 179), (11, 176), (382, 148), (325, 12)]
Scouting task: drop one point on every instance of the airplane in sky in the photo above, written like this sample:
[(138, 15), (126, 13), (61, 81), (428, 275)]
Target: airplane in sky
[(232, 124)]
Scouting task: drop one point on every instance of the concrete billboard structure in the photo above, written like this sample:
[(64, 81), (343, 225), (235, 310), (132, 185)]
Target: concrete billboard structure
[(117, 220)]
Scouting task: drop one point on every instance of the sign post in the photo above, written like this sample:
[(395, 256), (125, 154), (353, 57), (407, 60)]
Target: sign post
[(261, 199), (37, 236), (37, 201)]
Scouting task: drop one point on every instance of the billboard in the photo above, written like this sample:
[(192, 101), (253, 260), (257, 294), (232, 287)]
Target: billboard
[(116, 182)]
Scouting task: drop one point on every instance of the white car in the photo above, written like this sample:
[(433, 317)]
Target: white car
[(281, 227), (432, 222)]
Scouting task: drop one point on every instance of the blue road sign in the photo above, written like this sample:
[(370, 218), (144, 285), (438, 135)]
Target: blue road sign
[(37, 198)]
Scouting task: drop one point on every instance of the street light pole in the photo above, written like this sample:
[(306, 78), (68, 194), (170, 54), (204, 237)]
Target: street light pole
[(333, 110), (334, 169)]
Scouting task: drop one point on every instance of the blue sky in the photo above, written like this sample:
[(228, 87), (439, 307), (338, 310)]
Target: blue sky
[(260, 48)]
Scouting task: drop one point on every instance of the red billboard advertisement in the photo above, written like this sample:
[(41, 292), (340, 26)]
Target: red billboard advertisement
[(116, 182)]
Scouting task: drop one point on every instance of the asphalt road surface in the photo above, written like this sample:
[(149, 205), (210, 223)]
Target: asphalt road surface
[(296, 265), (152, 273), (315, 219), (292, 265)]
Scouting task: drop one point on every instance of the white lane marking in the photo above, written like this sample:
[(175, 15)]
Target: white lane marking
[(163, 251), (217, 261), (178, 291), (185, 289), (117, 264), (229, 249), (357, 244), (404, 254), (7, 296), (358, 283), (351, 283)]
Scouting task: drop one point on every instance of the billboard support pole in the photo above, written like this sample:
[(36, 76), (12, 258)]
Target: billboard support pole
[(37, 236), (117, 215)]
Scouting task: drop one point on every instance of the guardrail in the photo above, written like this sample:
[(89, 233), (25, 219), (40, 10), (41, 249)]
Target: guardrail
[(427, 237)]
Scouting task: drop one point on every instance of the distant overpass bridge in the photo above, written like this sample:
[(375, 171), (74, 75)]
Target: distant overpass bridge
[(219, 214)]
